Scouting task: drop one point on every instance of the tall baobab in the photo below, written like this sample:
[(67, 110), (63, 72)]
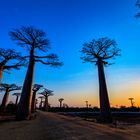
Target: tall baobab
[(86, 104), (138, 5), (99, 52), (17, 94), (7, 55), (60, 101), (46, 93), (131, 100), (36, 88), (34, 40), (41, 101), (7, 88)]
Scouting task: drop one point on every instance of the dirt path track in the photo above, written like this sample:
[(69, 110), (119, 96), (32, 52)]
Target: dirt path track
[(52, 126)]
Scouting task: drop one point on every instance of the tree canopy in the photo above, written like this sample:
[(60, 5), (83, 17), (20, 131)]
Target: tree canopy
[(30, 37), (46, 92), (33, 39), (100, 49), (36, 87), (7, 55), (10, 87)]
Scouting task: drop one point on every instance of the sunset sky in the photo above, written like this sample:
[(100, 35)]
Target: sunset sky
[(68, 24)]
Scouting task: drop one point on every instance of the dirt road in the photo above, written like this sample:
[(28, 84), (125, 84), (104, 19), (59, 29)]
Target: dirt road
[(52, 126)]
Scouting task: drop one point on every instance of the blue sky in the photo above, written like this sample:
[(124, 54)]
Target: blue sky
[(68, 24)]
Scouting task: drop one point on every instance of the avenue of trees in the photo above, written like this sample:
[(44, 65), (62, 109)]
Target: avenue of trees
[(97, 51), (33, 40)]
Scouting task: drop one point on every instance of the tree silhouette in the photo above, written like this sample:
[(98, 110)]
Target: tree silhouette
[(34, 40), (14, 57), (60, 101), (41, 101), (36, 102), (36, 88), (7, 88), (131, 100), (86, 104), (17, 94), (46, 93), (98, 52), (138, 5)]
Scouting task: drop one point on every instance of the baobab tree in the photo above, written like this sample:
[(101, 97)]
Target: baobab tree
[(46, 93), (99, 52), (17, 94), (7, 88), (41, 101), (86, 104), (36, 88), (34, 40), (131, 101), (138, 5), (60, 101), (36, 102), (15, 59)]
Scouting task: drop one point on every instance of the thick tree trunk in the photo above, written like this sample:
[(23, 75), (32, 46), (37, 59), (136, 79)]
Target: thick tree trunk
[(105, 115), (33, 102), (46, 104), (60, 104), (5, 100), (16, 102), (131, 104), (24, 107), (2, 64)]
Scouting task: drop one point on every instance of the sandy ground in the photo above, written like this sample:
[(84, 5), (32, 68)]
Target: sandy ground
[(52, 126)]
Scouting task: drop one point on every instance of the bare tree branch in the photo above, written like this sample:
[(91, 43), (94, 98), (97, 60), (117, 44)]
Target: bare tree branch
[(51, 59), (7, 55), (31, 37), (9, 87), (103, 49), (47, 92)]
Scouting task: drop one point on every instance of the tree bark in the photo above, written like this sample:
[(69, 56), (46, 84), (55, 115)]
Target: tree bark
[(105, 115), (16, 102), (2, 64), (5, 100), (33, 102), (24, 108), (60, 104), (46, 104)]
